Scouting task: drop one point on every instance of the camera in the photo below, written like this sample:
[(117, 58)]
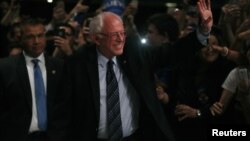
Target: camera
[(60, 32)]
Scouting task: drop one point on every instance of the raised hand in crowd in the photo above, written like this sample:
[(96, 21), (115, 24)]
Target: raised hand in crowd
[(243, 30), (12, 15), (206, 15)]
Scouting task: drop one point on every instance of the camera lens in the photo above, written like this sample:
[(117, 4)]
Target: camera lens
[(61, 33)]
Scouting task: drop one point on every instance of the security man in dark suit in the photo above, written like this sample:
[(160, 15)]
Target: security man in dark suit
[(28, 87)]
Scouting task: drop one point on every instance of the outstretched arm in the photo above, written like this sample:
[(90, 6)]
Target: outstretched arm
[(218, 108), (206, 15)]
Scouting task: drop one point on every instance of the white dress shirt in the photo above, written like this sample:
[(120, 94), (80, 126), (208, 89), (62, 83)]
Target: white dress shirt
[(129, 103), (30, 66)]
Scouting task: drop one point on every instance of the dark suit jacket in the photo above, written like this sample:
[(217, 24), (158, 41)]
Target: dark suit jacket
[(16, 98), (139, 65)]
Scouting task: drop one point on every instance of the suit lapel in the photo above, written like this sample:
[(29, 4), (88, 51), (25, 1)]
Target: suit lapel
[(51, 72), (92, 67), (130, 67), (24, 79)]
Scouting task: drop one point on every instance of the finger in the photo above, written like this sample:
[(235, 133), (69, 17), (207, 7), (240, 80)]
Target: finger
[(217, 112), (177, 112), (80, 1), (217, 48), (212, 111), (177, 107), (159, 89), (216, 107), (199, 6), (209, 5), (220, 105), (203, 4), (180, 107), (182, 117)]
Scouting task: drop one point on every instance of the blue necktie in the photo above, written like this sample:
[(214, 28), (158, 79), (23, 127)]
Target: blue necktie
[(40, 96), (113, 105)]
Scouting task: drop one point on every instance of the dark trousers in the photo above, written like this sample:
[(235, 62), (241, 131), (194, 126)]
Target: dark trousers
[(132, 137), (37, 136)]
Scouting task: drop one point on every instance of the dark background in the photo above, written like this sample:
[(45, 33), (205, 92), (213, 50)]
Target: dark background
[(40, 8), (43, 9)]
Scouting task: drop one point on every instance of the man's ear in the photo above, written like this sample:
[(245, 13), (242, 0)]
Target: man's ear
[(96, 39)]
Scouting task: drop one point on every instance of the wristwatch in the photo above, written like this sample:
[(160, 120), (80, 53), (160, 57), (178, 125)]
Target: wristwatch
[(198, 112)]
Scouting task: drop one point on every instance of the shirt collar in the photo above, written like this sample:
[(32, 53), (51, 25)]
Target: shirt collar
[(41, 57), (102, 60)]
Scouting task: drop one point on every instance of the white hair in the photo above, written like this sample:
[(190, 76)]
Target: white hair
[(96, 23)]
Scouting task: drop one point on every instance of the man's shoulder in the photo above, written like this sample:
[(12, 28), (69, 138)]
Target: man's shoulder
[(53, 59), (54, 63), (84, 52), (10, 63), (10, 60)]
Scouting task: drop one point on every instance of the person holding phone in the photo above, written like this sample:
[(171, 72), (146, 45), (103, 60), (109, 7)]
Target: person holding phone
[(63, 40)]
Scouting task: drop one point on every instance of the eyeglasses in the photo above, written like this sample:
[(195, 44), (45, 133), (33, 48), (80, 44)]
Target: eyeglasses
[(114, 35)]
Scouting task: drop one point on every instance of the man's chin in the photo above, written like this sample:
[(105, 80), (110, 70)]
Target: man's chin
[(119, 52)]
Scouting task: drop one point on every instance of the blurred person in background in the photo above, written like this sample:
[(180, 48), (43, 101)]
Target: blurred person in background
[(63, 40), (197, 86)]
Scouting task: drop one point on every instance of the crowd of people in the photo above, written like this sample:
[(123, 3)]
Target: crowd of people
[(87, 76)]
